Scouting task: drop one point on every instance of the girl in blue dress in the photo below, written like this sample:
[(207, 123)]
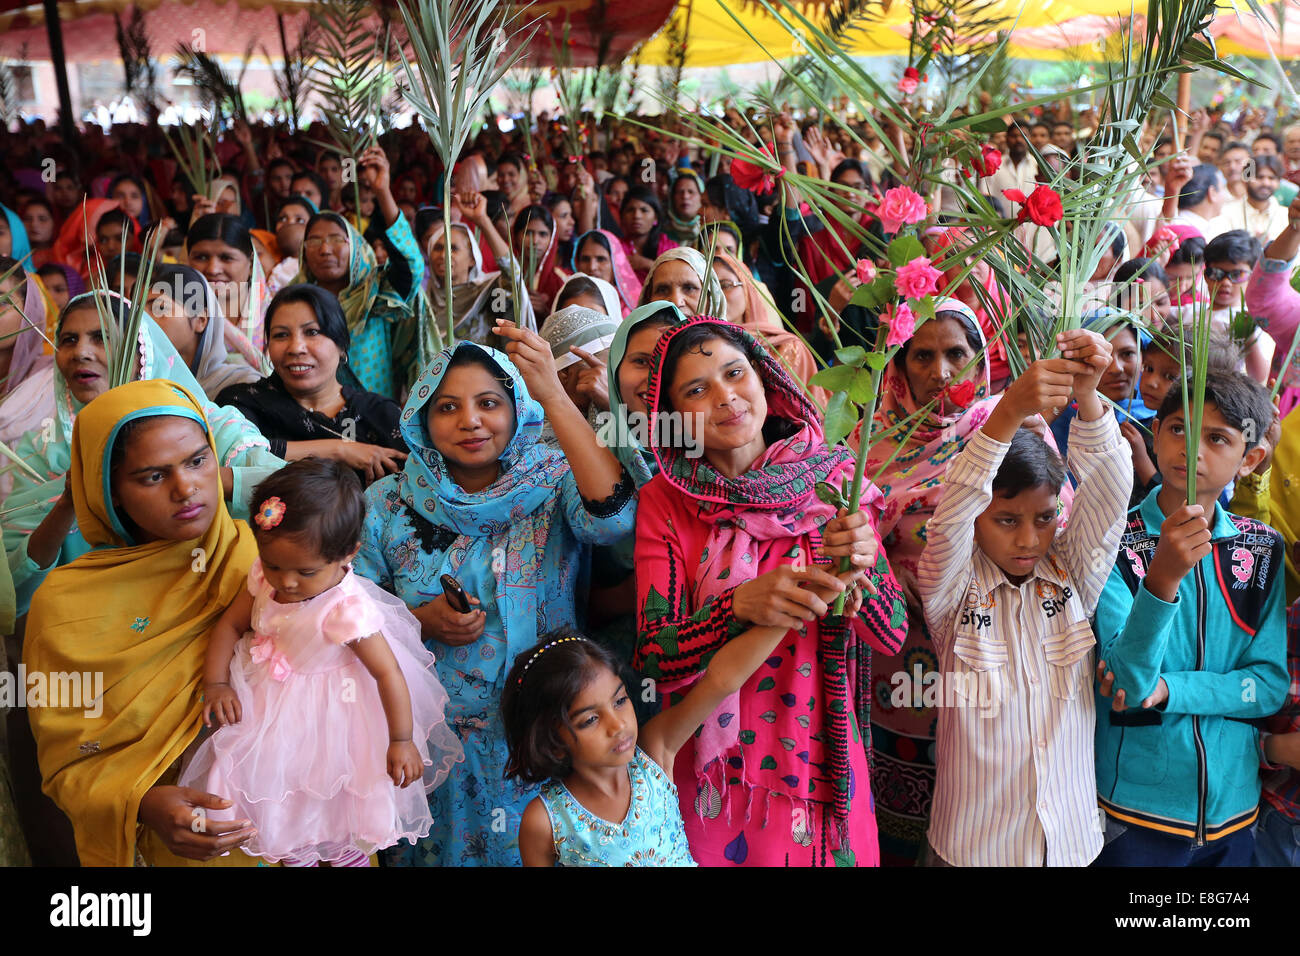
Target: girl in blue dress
[(607, 795), (483, 499)]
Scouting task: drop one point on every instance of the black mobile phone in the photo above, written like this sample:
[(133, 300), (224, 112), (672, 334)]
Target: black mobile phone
[(455, 594)]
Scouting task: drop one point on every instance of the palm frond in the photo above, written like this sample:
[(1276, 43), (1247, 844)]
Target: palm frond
[(292, 83), (1192, 383), (574, 88), (996, 77), (348, 74), (962, 35), (460, 51), (216, 87), (194, 147), (138, 65), (122, 333), (670, 76)]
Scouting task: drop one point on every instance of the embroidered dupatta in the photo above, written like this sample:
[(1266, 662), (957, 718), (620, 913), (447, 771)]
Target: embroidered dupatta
[(759, 521)]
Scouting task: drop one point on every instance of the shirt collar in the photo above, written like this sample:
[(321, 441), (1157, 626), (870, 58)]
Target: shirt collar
[(988, 577), (1222, 526)]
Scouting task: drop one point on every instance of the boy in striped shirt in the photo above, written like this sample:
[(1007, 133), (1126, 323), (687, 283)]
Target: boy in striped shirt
[(1007, 601)]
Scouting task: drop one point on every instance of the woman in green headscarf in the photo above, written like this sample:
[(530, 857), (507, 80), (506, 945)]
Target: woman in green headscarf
[(627, 424), (388, 318), (625, 430), (39, 522)]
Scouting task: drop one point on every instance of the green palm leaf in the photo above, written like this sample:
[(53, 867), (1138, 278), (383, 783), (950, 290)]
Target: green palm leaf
[(461, 50)]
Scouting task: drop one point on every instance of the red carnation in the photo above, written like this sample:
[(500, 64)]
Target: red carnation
[(753, 177), (1042, 206), (961, 395)]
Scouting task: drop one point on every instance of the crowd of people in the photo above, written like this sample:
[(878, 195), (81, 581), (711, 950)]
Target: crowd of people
[(388, 551)]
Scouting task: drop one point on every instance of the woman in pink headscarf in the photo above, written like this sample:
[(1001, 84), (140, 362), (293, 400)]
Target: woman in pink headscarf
[(26, 382), (600, 253), (737, 537), (991, 309)]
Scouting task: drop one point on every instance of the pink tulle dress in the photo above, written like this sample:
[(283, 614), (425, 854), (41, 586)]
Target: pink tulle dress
[(307, 762)]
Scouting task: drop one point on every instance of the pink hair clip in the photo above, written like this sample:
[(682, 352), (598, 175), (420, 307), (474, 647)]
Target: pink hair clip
[(269, 513)]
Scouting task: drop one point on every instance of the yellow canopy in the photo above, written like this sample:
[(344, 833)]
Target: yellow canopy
[(1043, 29)]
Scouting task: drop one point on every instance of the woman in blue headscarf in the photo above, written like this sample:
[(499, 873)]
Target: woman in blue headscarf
[(39, 524), (482, 499), (13, 238)]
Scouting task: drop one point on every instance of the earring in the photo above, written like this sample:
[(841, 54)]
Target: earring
[(344, 358)]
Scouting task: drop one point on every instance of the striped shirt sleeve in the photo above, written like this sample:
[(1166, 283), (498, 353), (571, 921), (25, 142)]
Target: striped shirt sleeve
[(1103, 463), (950, 533)]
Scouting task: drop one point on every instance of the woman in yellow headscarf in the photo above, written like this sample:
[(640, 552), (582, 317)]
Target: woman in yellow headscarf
[(167, 560)]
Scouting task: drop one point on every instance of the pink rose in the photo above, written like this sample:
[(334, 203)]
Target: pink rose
[(917, 279), (902, 323), (910, 81), (901, 205), (989, 160), (866, 271)]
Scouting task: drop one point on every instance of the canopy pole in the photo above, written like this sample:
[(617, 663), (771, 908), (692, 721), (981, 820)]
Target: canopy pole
[(284, 49), (1184, 105), (54, 30)]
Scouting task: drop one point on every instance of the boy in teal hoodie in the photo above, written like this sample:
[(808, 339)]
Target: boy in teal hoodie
[(1192, 624)]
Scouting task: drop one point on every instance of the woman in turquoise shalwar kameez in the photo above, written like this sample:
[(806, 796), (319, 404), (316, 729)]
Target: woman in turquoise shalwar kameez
[(388, 315), (516, 546)]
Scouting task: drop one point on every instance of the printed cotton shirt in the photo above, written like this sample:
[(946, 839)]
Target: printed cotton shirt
[(1014, 761)]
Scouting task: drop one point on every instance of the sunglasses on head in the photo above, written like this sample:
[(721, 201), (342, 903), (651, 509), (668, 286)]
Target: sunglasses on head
[(1218, 275)]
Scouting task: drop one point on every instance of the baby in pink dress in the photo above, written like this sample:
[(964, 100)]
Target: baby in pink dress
[(326, 700)]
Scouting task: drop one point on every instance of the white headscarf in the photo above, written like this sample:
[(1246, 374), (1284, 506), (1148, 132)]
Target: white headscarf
[(476, 273), (218, 186), (608, 295), (715, 300)]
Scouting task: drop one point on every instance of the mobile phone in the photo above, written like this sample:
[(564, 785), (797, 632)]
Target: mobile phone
[(455, 594)]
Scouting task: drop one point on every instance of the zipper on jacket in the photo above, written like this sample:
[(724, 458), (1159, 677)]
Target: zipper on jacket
[(1201, 775), (1118, 750)]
